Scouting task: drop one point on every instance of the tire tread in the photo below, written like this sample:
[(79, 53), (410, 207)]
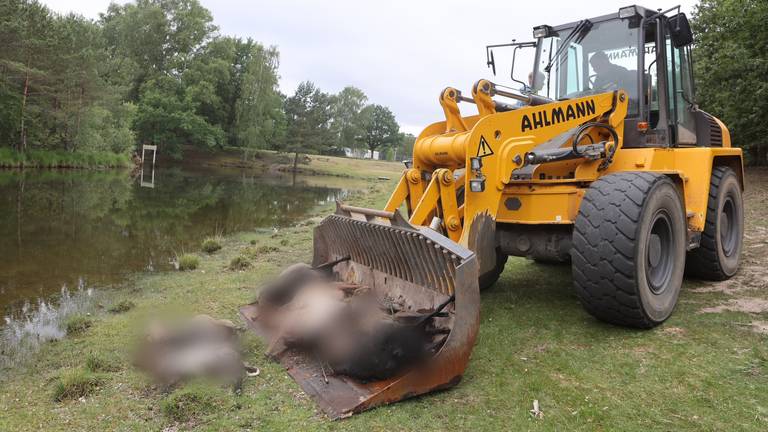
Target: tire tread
[(703, 262), (604, 247)]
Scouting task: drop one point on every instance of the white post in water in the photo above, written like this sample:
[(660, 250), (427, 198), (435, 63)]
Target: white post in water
[(144, 149)]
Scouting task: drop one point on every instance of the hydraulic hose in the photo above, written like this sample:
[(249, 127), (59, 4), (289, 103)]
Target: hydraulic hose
[(611, 130)]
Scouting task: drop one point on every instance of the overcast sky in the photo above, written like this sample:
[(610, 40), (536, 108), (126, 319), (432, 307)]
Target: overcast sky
[(400, 53)]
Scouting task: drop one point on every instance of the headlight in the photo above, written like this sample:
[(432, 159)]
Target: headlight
[(627, 12), (541, 31), (477, 185)]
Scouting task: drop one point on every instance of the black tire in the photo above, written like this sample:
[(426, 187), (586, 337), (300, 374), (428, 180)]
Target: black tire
[(629, 243), (489, 278), (719, 253), (551, 262)]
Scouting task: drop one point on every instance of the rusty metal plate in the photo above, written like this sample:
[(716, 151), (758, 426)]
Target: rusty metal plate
[(417, 265)]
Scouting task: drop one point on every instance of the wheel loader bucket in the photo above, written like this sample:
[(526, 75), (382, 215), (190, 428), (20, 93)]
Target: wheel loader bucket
[(415, 266)]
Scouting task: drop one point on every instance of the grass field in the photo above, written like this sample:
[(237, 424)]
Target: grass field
[(705, 369), (269, 160)]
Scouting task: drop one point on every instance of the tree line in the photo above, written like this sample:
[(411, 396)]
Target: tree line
[(159, 72), (731, 67)]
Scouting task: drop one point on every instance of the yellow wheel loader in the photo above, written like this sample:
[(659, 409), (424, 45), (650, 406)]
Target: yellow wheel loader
[(600, 158)]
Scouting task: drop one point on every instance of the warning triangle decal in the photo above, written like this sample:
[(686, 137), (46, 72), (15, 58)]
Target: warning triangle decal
[(484, 149)]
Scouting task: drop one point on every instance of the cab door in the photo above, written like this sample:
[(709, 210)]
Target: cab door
[(680, 92)]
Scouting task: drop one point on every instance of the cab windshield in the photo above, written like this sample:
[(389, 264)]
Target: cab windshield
[(600, 57)]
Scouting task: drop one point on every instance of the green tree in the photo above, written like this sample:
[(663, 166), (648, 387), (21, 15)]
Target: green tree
[(731, 66), (52, 82), (108, 129), (157, 71), (165, 116), (79, 88), (156, 37), (379, 127), (257, 118), (227, 91), (208, 82), (346, 122), (405, 146), (178, 76), (25, 54), (308, 118)]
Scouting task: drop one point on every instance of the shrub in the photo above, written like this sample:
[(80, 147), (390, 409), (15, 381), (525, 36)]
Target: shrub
[(122, 306), (255, 252), (77, 324), (211, 245), (239, 263), (267, 249), (75, 384), (188, 262)]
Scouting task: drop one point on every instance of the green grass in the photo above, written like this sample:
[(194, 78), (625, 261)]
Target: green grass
[(62, 159), (318, 165), (122, 306), (195, 401), (188, 262), (256, 252), (75, 384), (697, 372), (77, 324), (102, 363), (211, 245), (353, 168)]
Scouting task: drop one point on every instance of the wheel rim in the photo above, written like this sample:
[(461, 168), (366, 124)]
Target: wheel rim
[(728, 227), (659, 257)]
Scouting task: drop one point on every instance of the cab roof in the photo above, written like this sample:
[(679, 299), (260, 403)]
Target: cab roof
[(643, 12)]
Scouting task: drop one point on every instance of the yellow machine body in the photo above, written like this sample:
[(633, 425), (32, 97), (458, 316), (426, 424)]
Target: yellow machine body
[(552, 192)]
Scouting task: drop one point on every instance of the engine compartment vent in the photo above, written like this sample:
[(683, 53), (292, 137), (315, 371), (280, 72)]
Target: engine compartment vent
[(715, 132)]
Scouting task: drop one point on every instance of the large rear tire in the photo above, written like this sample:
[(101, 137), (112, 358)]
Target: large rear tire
[(629, 243), (719, 253)]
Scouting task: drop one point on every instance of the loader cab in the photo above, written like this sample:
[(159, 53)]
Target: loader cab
[(644, 52)]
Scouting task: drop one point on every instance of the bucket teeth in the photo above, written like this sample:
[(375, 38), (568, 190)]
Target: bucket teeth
[(420, 276), (419, 256)]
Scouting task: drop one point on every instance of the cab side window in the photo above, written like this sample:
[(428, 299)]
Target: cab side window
[(680, 94), (651, 79)]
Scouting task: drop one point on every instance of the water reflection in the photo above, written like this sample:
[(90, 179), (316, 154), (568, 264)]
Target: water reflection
[(60, 228), (151, 182)]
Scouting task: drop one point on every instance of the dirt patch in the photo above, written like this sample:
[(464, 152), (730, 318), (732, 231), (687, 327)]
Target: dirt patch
[(642, 350), (749, 277), (759, 327), (673, 331), (748, 289), (747, 304)]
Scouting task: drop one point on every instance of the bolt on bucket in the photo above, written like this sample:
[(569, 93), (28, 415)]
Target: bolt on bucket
[(415, 266)]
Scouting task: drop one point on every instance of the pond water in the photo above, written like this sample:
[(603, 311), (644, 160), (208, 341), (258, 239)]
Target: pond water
[(79, 230)]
